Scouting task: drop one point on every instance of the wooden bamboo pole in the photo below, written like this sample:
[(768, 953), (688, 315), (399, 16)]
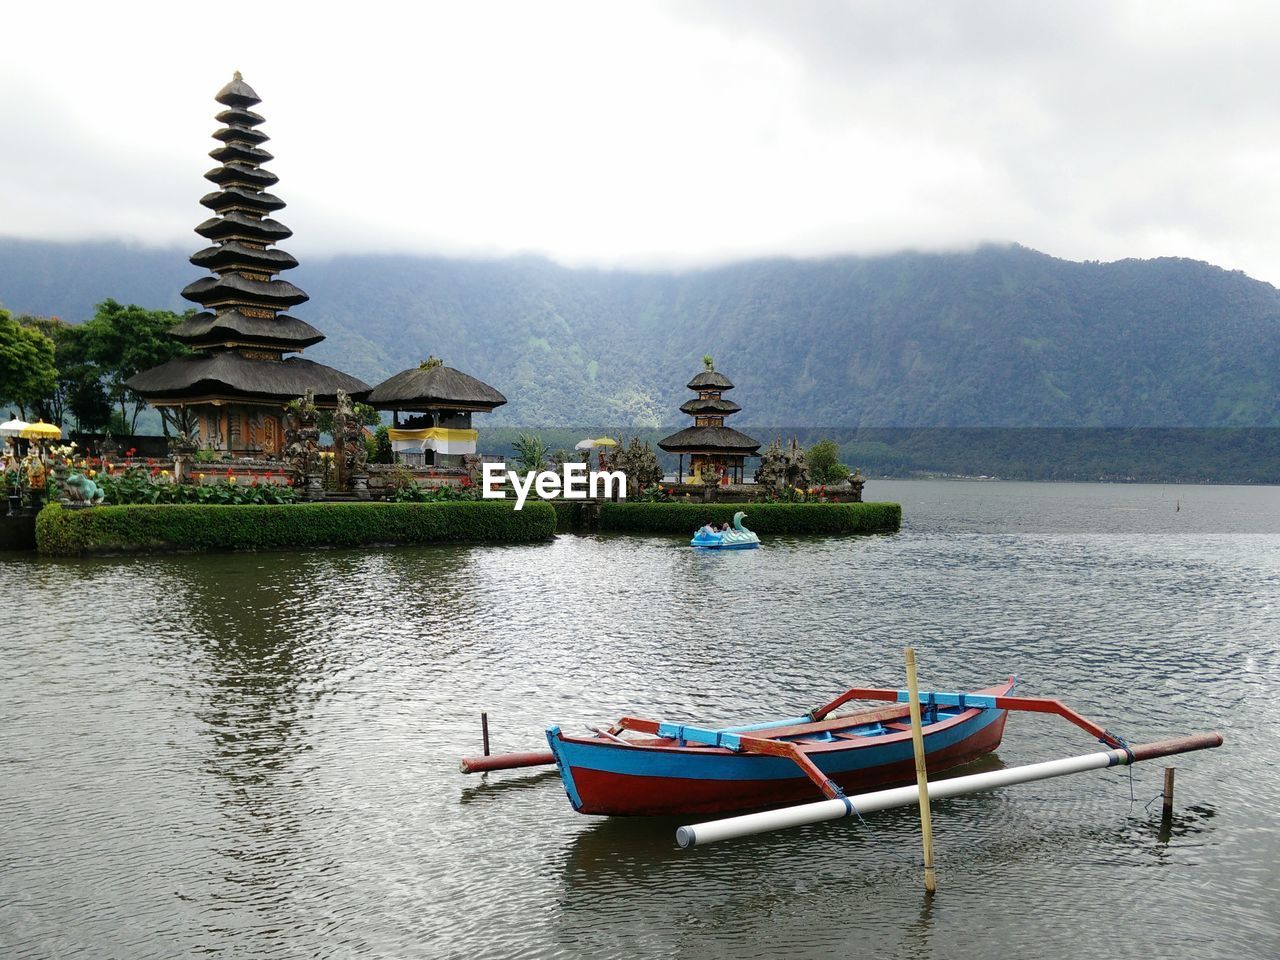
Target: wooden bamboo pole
[(922, 776), (1167, 794)]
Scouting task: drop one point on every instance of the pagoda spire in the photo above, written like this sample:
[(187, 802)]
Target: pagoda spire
[(244, 298), (238, 381)]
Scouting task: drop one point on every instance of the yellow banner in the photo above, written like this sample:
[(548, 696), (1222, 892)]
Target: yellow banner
[(448, 434)]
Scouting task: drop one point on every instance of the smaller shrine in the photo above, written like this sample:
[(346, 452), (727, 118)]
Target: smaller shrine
[(716, 453), (439, 400)]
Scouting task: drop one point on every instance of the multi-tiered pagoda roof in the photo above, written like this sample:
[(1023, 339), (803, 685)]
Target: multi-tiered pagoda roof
[(242, 334), (709, 435)]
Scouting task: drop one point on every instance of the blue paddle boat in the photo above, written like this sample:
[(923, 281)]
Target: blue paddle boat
[(738, 538)]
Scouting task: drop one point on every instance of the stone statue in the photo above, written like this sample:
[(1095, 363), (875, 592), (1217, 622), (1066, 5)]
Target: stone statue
[(348, 438), (781, 468), (82, 489), (302, 438)]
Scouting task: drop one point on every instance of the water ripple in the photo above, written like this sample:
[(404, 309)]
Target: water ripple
[(256, 754)]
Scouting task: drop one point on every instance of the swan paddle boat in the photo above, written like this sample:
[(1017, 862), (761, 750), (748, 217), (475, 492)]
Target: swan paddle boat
[(738, 538)]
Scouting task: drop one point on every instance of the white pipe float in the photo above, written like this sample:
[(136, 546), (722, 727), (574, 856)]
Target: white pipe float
[(752, 823)]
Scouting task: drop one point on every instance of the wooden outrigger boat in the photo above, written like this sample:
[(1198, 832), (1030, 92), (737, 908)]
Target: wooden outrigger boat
[(680, 768), (670, 769)]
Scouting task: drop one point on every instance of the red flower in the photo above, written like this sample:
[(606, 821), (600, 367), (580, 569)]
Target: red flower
[(151, 461), (466, 481), (289, 482), (131, 451)]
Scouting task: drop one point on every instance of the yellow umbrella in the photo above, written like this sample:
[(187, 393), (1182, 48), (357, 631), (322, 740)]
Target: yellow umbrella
[(41, 431), (606, 442)]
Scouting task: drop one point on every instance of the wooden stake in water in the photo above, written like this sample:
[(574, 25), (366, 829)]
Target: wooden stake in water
[(922, 777), (1167, 810), (484, 731)]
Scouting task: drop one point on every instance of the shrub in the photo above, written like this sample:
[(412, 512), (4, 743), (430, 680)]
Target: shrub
[(414, 492), (197, 527), (824, 463), (568, 514), (531, 452), (763, 518)]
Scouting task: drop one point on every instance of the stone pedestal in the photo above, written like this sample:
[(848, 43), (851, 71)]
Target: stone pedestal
[(360, 486), (314, 490)]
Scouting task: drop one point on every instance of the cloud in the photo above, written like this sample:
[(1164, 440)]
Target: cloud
[(673, 134)]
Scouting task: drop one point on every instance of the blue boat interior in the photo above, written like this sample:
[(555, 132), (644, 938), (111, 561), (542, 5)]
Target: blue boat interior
[(729, 737)]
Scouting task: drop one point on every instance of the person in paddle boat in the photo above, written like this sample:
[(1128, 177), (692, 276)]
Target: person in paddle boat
[(708, 529)]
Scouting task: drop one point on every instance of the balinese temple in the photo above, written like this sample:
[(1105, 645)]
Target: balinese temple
[(440, 401), (714, 450), (239, 379)]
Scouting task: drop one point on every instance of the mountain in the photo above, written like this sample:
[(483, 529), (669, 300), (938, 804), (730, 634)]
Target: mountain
[(999, 336)]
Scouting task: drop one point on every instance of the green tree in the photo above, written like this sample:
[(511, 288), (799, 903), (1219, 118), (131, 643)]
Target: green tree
[(824, 463), (77, 389), (123, 341), (638, 461), (27, 370), (531, 452)]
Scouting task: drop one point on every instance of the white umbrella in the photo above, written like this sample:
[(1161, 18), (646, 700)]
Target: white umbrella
[(584, 444), (12, 428)]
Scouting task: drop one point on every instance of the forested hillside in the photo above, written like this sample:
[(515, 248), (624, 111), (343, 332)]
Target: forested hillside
[(1000, 336)]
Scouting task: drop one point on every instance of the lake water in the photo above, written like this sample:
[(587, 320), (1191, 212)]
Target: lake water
[(255, 755)]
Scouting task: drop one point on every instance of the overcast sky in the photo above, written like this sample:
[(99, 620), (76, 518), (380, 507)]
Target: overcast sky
[(663, 134)]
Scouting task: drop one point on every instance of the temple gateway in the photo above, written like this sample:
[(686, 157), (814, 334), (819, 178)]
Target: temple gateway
[(715, 451), (238, 380)]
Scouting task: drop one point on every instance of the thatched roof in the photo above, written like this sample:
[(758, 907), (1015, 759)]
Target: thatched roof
[(234, 225), (710, 380), (237, 93), (237, 150), (239, 133), (238, 197), (240, 117), (234, 326), (233, 288), (709, 440), (243, 174), (231, 375), (717, 407), (430, 386), (235, 255)]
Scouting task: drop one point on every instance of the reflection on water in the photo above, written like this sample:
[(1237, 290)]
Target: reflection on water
[(257, 754)]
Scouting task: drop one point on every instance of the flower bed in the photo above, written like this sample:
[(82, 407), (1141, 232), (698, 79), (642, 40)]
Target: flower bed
[(172, 528), (152, 483)]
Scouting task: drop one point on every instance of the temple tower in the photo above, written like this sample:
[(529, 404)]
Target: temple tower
[(239, 379), (715, 451)]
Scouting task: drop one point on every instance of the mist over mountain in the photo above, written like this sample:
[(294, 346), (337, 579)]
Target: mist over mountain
[(999, 336)]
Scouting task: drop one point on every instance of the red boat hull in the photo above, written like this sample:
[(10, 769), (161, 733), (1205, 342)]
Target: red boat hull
[(623, 795), (660, 780)]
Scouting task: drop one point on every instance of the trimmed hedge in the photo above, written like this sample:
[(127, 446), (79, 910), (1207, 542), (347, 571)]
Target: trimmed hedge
[(763, 518), (170, 528), (568, 514)]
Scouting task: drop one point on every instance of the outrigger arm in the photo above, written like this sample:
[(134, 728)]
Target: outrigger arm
[(980, 700)]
